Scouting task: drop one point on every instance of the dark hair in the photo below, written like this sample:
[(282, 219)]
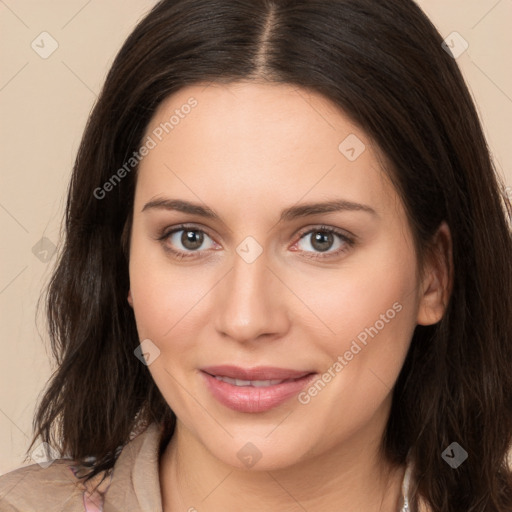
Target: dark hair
[(383, 64)]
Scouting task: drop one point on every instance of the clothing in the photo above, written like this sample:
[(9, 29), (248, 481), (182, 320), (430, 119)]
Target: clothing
[(133, 485)]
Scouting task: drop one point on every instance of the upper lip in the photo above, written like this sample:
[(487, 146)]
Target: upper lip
[(255, 373)]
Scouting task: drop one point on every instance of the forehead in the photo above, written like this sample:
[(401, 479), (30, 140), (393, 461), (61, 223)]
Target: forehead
[(257, 140), (250, 114)]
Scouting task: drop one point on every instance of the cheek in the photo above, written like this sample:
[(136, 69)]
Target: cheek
[(160, 304), (369, 295), (165, 297), (370, 309), (364, 355)]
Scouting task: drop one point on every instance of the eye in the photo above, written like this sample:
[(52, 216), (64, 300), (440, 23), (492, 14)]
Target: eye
[(189, 241), (323, 240)]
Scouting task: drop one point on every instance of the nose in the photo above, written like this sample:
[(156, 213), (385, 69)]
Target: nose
[(251, 301)]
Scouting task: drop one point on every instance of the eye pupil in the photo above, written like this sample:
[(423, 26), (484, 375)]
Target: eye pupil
[(195, 238), (322, 241)]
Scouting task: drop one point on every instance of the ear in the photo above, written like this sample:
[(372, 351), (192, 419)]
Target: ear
[(130, 300), (437, 282)]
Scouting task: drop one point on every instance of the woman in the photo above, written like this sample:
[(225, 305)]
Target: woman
[(286, 280)]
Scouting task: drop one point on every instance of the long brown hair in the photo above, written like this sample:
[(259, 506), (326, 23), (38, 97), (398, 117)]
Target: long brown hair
[(384, 65)]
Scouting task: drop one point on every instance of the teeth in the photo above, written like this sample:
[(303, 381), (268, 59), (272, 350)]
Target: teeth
[(255, 383)]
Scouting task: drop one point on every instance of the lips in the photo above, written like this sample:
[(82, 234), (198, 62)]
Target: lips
[(256, 373), (254, 383), (255, 389)]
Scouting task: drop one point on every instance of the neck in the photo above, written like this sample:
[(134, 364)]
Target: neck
[(350, 477)]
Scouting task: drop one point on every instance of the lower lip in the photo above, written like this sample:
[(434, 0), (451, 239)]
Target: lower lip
[(251, 398)]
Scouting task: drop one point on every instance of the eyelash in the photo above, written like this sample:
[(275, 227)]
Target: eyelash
[(197, 254)]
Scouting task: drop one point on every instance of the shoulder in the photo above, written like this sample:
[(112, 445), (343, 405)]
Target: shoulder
[(40, 488), (58, 487)]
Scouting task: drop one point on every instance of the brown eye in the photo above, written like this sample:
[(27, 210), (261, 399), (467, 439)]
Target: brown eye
[(322, 239), (186, 242), (191, 239)]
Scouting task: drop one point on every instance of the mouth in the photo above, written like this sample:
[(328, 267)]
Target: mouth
[(254, 383), (256, 389)]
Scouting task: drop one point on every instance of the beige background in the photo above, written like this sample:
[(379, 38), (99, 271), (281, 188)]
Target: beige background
[(44, 104)]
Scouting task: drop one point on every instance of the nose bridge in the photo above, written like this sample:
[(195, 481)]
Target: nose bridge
[(249, 303)]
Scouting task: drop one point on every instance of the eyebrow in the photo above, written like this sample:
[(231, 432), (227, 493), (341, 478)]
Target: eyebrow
[(288, 214)]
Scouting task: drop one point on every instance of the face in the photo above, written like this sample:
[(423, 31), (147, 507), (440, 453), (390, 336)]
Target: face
[(249, 277)]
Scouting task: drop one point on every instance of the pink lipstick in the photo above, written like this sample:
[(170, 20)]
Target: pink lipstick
[(255, 389)]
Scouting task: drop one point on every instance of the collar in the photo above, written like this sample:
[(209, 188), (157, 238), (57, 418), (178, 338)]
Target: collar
[(135, 483)]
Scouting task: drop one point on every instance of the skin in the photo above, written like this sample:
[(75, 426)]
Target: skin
[(247, 151)]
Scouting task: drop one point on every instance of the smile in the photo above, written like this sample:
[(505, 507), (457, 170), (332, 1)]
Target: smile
[(254, 395), (254, 383)]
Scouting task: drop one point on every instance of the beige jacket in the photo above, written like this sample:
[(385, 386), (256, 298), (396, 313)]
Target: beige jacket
[(133, 485)]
